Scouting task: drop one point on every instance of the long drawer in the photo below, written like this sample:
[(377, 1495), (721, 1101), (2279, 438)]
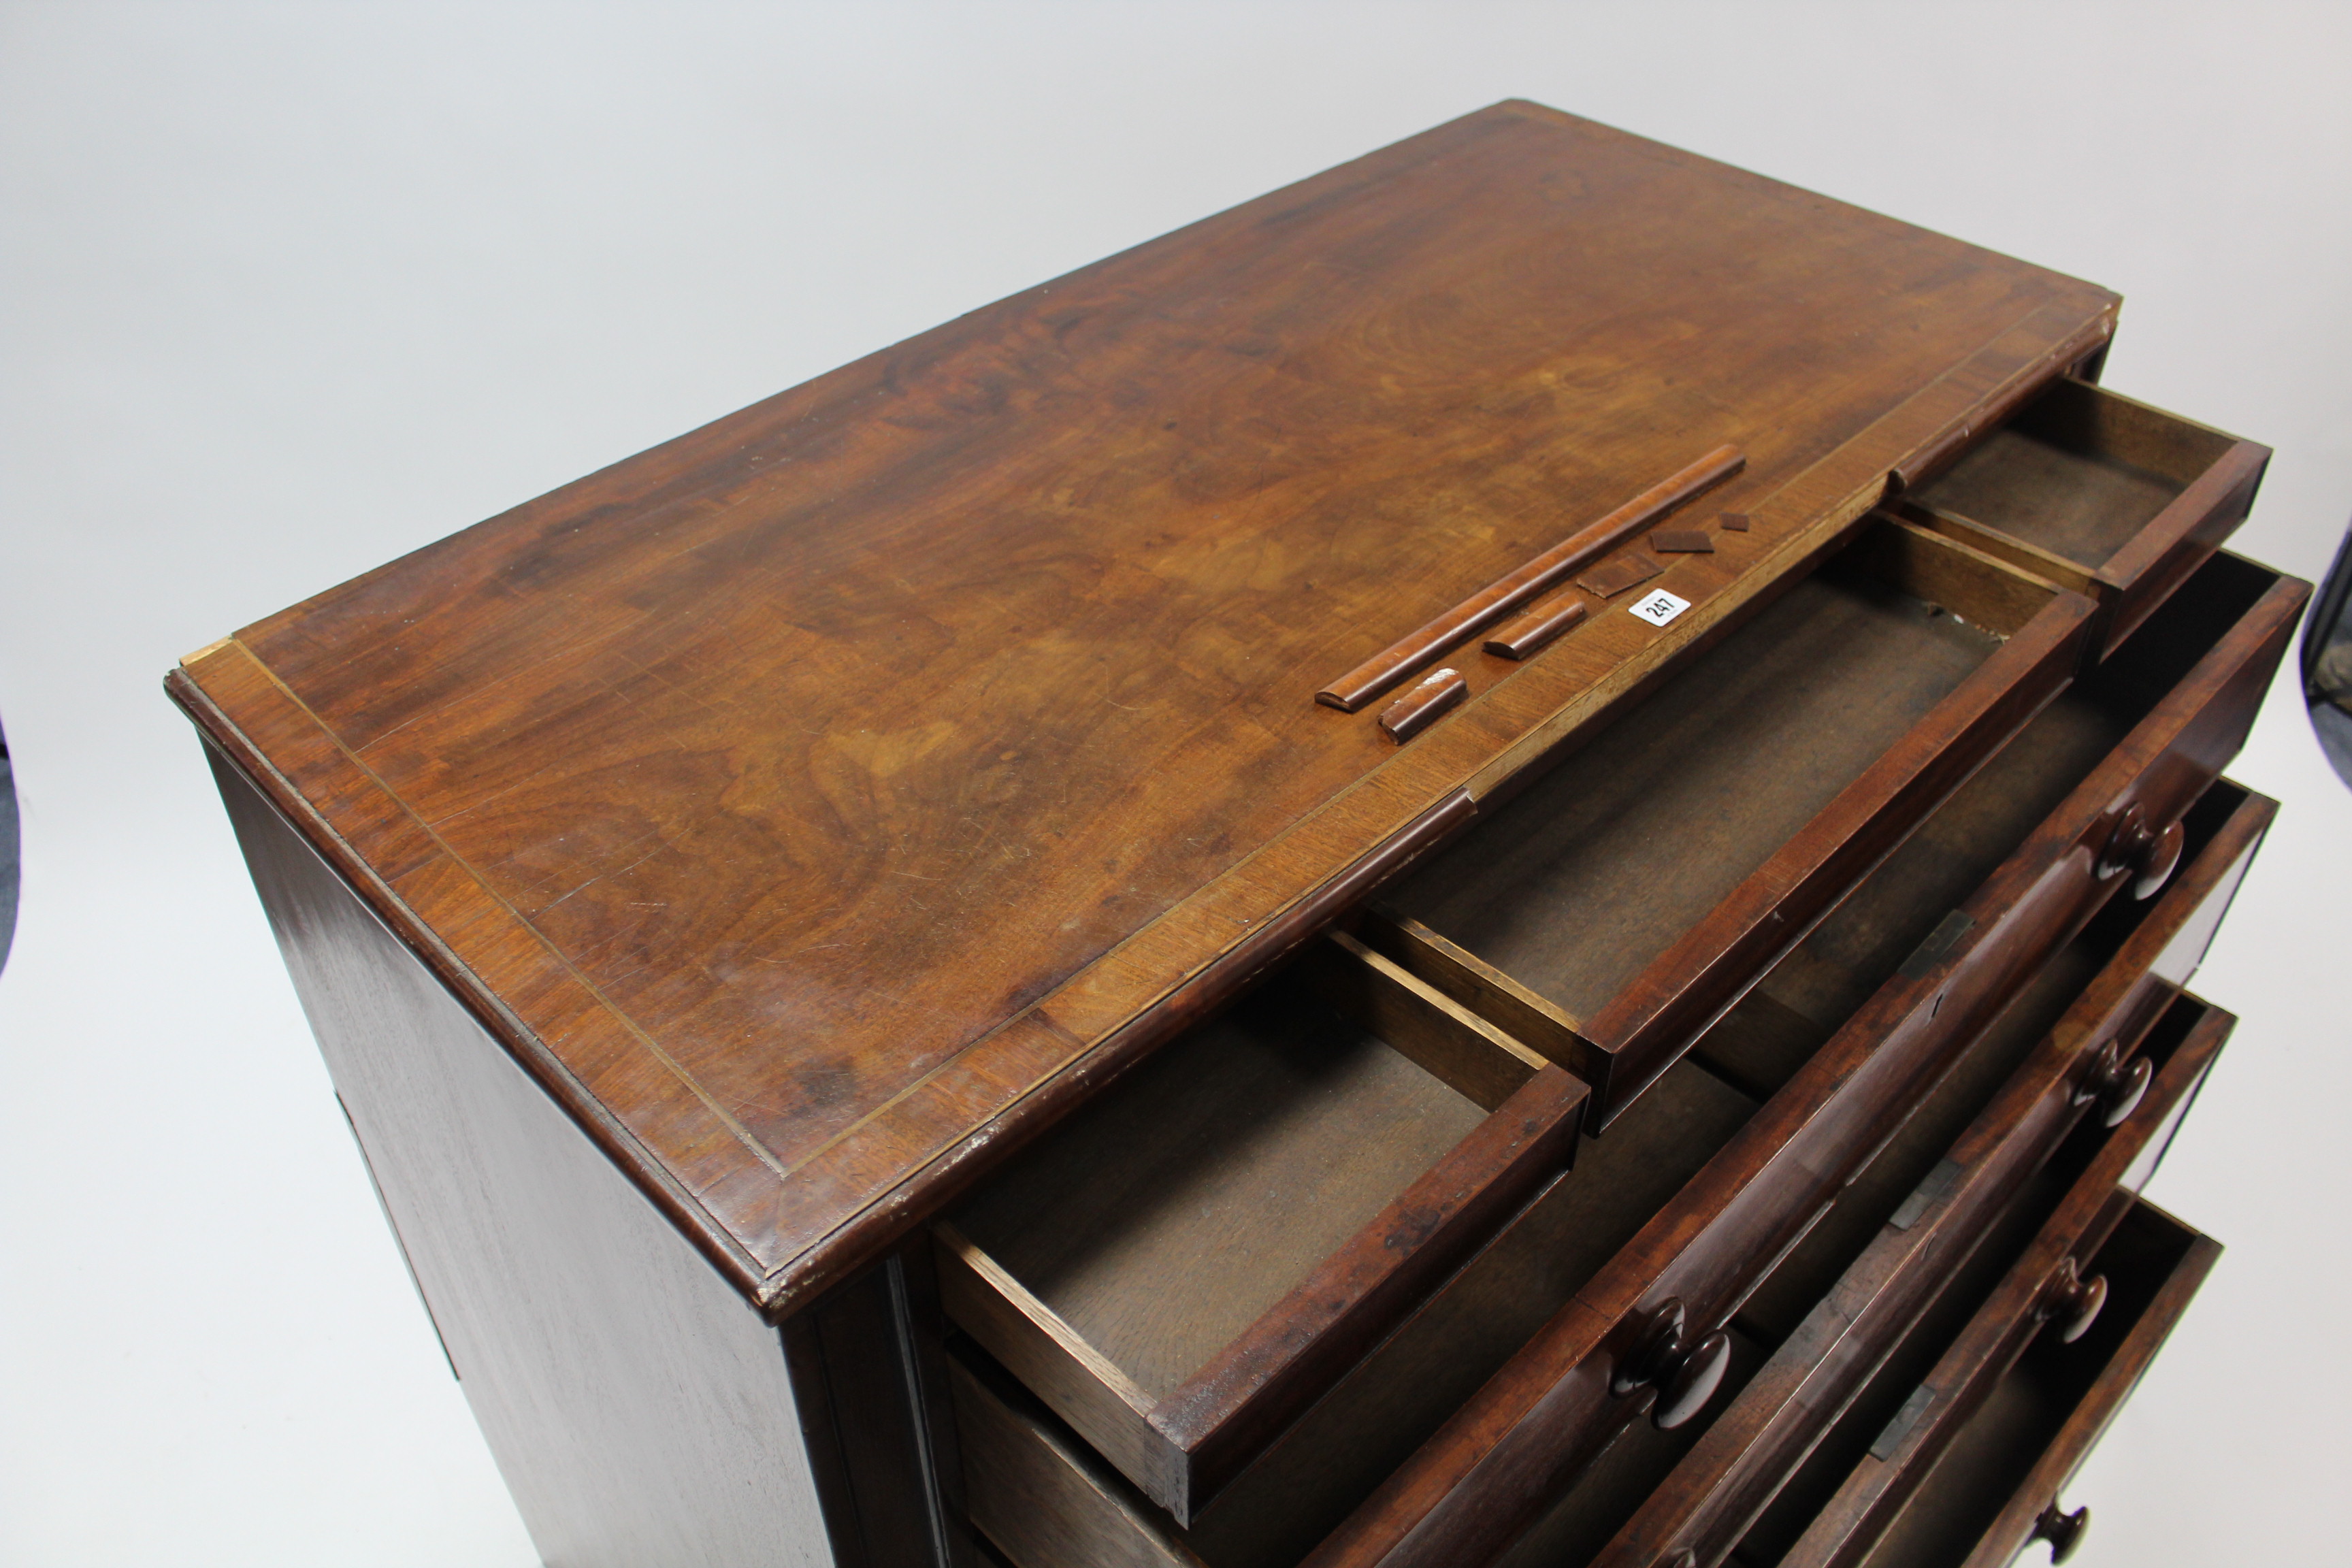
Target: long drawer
[(1998, 1179), (2099, 493), (1696, 1190), (1638, 885)]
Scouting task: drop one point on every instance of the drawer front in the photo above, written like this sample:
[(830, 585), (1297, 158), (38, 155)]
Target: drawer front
[(1040, 1496), (2014, 1410), (1485, 1476), (2098, 493), (2154, 1293), (2069, 1085)]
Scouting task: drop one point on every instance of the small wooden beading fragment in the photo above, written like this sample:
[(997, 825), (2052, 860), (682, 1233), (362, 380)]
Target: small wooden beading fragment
[(1438, 693)]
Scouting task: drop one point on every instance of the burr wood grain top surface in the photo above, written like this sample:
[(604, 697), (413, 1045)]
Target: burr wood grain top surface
[(803, 800)]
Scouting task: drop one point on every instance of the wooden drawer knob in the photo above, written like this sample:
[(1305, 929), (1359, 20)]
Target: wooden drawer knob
[(2064, 1531), (1685, 1372), (2150, 855), (2072, 1301), (2117, 1086)]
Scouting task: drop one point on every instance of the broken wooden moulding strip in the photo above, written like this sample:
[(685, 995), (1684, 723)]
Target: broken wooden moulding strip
[(1440, 693), (1506, 594)]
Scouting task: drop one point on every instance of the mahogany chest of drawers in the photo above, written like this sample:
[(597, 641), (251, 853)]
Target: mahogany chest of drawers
[(1494, 861)]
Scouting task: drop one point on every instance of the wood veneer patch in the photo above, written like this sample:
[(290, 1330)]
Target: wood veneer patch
[(1607, 582), (1732, 523), (1682, 541)]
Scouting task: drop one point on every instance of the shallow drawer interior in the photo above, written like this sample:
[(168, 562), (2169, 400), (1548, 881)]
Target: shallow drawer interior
[(1181, 1264), (2079, 472), (1166, 1219), (1277, 1509), (1608, 859), (1797, 1004)]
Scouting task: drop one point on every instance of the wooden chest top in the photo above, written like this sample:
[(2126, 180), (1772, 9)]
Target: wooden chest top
[(815, 801)]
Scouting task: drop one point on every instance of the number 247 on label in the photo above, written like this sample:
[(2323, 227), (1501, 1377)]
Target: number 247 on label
[(1659, 607)]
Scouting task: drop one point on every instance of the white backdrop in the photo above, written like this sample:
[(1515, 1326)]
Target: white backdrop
[(285, 290)]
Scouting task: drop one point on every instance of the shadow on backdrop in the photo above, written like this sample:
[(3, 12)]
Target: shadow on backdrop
[(2327, 662), (8, 872)]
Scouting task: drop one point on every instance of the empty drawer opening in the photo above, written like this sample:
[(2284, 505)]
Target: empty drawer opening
[(1626, 895), (1186, 1262), (1659, 817), (2079, 473)]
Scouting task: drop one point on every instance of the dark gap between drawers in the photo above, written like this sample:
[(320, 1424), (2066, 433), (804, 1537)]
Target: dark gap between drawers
[(1809, 1490), (1998, 1445), (1778, 1305)]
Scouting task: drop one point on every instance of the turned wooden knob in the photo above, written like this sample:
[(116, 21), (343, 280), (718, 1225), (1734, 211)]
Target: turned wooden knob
[(1684, 1371), (2072, 1301), (2118, 1086), (2064, 1531), (2149, 853)]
